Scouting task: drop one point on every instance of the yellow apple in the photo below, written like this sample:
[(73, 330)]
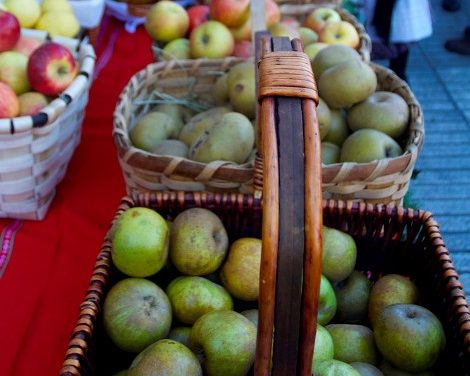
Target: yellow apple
[(27, 11), (59, 23), (319, 17), (340, 32)]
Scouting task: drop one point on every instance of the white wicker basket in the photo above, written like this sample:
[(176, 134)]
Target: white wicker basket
[(35, 151)]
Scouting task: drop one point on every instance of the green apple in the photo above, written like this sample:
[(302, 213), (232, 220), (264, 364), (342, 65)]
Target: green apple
[(121, 373), (366, 369), (136, 313), (313, 49), (367, 145), (193, 296), (339, 130), (347, 83), (388, 370), (166, 21), (320, 16), (409, 336), (178, 113), (180, 334), (139, 240), (324, 118), (32, 103), (308, 36), (241, 88), (384, 111), (329, 153), (353, 343), (335, 367), (211, 39), (176, 49), (220, 91), (13, 71), (232, 139), (240, 272), (151, 129), (352, 296), (175, 148), (326, 302), (252, 315), (332, 55), (324, 347), (198, 242), (225, 342), (388, 290), (339, 254), (165, 357)]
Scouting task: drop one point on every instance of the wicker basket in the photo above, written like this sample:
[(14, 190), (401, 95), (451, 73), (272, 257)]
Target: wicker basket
[(145, 171), (299, 11), (35, 151), (389, 239)]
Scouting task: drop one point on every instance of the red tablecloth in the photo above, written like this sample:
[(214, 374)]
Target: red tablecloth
[(52, 260)]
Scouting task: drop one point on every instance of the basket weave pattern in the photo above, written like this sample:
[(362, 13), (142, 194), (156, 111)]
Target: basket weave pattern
[(144, 171), (35, 151)]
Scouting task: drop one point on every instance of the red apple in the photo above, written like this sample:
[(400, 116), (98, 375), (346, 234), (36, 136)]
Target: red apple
[(31, 103), (26, 45), (198, 14), (9, 106), (9, 31), (231, 13), (320, 17), (243, 49), (166, 21), (51, 68), (290, 22), (212, 39), (242, 32), (340, 32)]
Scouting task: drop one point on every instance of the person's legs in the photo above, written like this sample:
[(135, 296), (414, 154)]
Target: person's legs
[(399, 63), (451, 5), (460, 46)]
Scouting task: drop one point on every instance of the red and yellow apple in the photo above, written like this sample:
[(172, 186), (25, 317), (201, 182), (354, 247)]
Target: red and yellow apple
[(166, 20), (9, 31), (51, 68), (32, 103), (26, 45), (9, 106), (242, 32), (243, 49), (13, 71), (212, 39), (198, 14), (340, 32), (273, 13), (231, 13), (318, 19)]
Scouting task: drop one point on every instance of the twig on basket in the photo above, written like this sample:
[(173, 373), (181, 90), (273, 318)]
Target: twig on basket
[(157, 97)]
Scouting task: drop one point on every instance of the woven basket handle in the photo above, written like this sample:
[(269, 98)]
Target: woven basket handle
[(292, 212)]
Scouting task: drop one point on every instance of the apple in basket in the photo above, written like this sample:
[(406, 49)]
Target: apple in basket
[(320, 17), (51, 68), (9, 105), (26, 45), (198, 14), (212, 39), (231, 13), (9, 32), (340, 32)]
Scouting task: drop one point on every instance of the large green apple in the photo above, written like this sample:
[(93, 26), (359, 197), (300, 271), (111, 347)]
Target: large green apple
[(335, 367), (329, 153), (225, 342), (347, 83), (241, 88), (177, 49), (240, 272), (353, 343), (140, 242), (192, 296), (212, 39), (409, 336), (388, 290), (383, 110), (151, 129), (324, 347), (136, 313), (366, 369), (324, 118), (332, 55), (339, 130), (198, 242), (326, 302), (367, 145), (339, 254), (165, 357), (352, 296)]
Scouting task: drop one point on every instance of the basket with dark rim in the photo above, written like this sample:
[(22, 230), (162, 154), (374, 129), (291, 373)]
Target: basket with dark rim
[(35, 150), (389, 239)]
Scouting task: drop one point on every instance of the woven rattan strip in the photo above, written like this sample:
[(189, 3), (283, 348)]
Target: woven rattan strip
[(286, 74)]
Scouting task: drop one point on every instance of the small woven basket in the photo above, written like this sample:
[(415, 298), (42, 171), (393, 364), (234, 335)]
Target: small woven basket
[(35, 151), (144, 171)]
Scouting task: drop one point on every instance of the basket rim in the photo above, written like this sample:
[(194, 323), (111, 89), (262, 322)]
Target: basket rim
[(92, 302), (86, 60)]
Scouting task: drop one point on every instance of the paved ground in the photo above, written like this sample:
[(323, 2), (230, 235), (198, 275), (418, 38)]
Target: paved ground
[(441, 82)]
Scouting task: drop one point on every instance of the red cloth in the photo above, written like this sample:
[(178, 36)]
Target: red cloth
[(52, 260)]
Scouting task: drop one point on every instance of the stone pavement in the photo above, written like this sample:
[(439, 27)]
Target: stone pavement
[(441, 82)]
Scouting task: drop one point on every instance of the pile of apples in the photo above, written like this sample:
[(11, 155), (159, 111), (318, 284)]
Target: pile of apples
[(357, 123), (54, 16), (186, 303), (223, 132), (223, 28), (32, 72)]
